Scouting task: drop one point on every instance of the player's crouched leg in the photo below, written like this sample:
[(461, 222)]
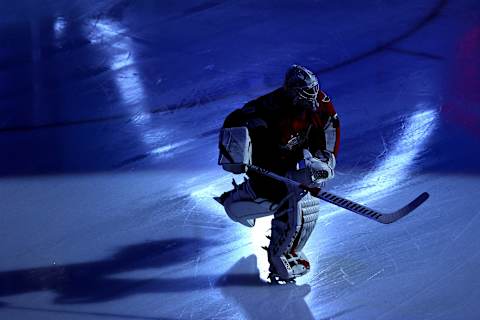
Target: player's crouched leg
[(291, 229)]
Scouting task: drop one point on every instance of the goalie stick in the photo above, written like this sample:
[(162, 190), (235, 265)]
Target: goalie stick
[(352, 206)]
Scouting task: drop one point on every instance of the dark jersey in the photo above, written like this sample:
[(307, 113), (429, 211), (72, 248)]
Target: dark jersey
[(279, 133)]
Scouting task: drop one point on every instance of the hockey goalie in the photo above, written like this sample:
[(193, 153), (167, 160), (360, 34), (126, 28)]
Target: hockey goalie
[(293, 132)]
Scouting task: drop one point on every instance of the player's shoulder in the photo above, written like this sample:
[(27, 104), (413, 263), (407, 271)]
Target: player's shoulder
[(267, 102), (323, 97), (273, 97), (325, 105)]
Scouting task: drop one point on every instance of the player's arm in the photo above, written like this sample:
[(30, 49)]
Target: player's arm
[(331, 128), (325, 138)]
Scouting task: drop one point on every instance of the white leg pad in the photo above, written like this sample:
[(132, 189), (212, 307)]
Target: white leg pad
[(242, 205), (291, 229)]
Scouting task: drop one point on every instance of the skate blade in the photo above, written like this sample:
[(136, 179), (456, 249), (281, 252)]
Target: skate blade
[(276, 280)]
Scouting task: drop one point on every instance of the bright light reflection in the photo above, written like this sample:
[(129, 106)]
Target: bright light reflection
[(141, 118), (170, 147), (121, 54), (112, 38), (104, 30), (153, 136), (59, 27), (258, 235), (396, 165)]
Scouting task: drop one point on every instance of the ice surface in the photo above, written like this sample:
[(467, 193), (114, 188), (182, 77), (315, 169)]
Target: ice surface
[(109, 112)]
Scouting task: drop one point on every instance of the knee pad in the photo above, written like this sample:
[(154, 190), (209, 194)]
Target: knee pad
[(310, 207)]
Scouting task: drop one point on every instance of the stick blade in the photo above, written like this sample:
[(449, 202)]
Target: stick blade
[(385, 218), (394, 216), (350, 205)]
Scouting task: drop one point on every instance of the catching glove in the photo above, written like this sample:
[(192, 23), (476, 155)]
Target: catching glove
[(322, 166)]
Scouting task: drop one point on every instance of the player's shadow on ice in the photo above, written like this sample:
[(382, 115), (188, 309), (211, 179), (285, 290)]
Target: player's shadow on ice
[(242, 286), (95, 281), (99, 281)]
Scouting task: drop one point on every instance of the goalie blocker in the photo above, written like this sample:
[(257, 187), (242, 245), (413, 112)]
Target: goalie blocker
[(235, 149)]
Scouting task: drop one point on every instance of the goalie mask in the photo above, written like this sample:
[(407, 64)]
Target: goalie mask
[(302, 87)]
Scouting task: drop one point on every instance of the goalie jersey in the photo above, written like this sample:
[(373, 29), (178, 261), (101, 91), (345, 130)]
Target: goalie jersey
[(279, 132)]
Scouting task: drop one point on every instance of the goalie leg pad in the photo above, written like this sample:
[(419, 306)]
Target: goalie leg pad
[(310, 207), (291, 228), (242, 204), (286, 226)]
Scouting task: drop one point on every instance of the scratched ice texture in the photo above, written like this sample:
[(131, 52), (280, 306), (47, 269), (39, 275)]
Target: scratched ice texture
[(109, 114)]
